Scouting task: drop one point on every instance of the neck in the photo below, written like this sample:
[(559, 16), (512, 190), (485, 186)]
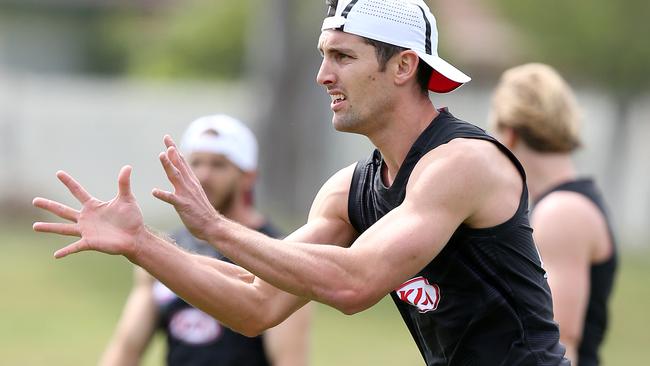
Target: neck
[(401, 129), (545, 171)]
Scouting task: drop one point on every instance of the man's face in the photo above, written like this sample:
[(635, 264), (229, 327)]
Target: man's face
[(220, 178), (360, 93)]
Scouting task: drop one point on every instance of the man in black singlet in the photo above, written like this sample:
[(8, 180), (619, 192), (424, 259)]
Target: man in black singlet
[(436, 217), (535, 114), (222, 152)]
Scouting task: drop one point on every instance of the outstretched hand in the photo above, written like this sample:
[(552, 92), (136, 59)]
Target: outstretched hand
[(188, 198), (110, 227)]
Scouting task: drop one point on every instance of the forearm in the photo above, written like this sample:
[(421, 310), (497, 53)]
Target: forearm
[(208, 284), (117, 354), (351, 273), (325, 273)]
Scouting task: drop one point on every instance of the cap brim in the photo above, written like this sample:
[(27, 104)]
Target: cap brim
[(334, 22), (445, 77)]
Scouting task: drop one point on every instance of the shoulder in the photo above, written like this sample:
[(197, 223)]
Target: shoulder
[(567, 213), (342, 176), (568, 221), (328, 217), (473, 177), (469, 162), (336, 189), (566, 209), (332, 198), (465, 151)]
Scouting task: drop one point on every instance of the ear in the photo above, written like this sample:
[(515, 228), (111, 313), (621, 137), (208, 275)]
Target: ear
[(248, 180), (406, 67), (509, 137)]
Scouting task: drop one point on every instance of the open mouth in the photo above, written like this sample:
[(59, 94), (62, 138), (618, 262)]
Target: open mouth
[(337, 99)]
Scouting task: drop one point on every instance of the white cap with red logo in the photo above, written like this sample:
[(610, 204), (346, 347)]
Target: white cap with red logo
[(404, 23)]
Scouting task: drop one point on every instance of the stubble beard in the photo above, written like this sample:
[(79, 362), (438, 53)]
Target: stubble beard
[(224, 202), (351, 122)]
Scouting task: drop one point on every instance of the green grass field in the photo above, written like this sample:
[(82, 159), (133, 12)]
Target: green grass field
[(62, 312)]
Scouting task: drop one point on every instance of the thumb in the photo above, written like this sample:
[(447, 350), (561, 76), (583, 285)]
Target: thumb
[(124, 182), (76, 247)]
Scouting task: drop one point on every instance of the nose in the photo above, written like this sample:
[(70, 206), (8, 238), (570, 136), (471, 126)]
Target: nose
[(325, 75)]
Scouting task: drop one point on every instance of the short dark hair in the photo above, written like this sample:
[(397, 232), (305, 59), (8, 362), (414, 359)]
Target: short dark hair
[(332, 4), (385, 51)]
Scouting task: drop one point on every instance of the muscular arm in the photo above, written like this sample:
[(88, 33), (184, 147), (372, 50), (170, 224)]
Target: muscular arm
[(225, 291), (401, 243), (230, 293), (136, 325), (567, 228)]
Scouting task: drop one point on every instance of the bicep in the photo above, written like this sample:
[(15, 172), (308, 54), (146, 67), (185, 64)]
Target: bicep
[(407, 238), (403, 242)]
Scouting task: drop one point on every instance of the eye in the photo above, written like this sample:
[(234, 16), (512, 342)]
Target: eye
[(342, 56), (218, 164)]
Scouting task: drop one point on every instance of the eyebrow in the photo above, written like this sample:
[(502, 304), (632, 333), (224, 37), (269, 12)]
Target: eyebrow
[(336, 49)]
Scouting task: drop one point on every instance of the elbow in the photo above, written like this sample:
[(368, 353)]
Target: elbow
[(571, 340), (250, 330), (353, 307), (256, 320), (353, 300), (251, 327)]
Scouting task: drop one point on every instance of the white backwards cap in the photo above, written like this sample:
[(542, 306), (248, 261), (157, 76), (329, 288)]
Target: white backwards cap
[(403, 23), (225, 135)]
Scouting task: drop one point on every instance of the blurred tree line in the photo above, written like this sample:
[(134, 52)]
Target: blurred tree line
[(191, 39), (594, 41), (597, 42)]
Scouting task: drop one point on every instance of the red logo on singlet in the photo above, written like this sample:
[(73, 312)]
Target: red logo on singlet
[(420, 293)]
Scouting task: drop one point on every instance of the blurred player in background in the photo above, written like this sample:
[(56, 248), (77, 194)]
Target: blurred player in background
[(534, 113), (222, 152)]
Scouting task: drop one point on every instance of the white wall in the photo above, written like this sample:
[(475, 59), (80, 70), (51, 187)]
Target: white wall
[(91, 127)]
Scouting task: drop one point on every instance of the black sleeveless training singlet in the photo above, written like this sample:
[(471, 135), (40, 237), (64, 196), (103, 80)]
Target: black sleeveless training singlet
[(484, 299), (601, 279), (195, 338)]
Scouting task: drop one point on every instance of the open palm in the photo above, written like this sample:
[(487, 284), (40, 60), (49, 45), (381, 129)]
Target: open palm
[(189, 199), (110, 227)]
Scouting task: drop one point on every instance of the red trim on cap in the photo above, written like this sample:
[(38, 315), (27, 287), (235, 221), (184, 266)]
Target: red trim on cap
[(439, 83)]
